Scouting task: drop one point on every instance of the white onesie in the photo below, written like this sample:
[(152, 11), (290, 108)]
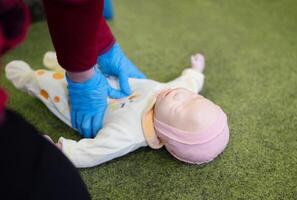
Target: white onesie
[(122, 128)]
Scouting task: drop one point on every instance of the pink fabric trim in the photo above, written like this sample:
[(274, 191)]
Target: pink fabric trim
[(214, 148), (193, 137)]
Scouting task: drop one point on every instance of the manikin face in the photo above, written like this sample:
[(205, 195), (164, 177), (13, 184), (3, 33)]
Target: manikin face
[(185, 110)]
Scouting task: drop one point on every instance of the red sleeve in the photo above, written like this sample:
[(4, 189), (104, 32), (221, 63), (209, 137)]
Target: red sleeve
[(14, 24), (78, 31)]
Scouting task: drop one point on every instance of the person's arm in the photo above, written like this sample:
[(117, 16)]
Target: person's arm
[(79, 32)]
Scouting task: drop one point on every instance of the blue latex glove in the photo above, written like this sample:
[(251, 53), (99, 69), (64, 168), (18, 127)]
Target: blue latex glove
[(107, 10), (115, 63), (88, 103)]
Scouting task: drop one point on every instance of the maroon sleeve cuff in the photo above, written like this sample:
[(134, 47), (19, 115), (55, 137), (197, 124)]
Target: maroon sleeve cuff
[(79, 33)]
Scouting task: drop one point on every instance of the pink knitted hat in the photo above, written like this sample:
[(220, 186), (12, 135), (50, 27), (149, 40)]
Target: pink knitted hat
[(195, 147), (191, 147)]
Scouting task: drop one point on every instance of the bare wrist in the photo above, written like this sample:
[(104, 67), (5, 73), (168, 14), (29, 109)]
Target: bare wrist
[(80, 77)]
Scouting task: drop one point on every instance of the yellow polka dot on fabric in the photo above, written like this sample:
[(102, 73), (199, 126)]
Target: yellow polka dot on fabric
[(44, 94), (56, 99), (40, 72), (58, 75)]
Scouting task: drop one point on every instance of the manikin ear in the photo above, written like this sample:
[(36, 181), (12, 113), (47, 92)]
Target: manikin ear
[(148, 127)]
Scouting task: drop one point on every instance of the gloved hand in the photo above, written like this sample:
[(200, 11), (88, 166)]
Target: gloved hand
[(88, 102), (115, 63)]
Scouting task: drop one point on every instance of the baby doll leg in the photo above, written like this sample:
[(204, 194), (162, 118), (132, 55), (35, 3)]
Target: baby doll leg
[(48, 86)]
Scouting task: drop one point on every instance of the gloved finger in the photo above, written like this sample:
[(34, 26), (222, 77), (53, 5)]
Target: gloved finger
[(86, 126), (97, 123), (138, 75), (115, 94), (73, 119), (134, 72), (78, 120), (124, 84)]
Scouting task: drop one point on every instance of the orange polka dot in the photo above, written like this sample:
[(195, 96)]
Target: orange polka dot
[(40, 72), (58, 76), (44, 94), (134, 95), (56, 99), (112, 101)]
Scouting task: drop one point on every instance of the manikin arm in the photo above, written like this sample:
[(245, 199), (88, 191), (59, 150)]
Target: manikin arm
[(191, 78), (111, 142)]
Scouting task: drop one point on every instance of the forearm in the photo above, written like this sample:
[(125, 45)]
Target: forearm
[(78, 31)]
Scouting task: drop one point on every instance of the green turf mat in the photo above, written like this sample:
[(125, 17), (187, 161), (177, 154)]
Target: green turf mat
[(251, 71)]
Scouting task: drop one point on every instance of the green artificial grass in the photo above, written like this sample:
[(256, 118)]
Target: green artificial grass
[(251, 56)]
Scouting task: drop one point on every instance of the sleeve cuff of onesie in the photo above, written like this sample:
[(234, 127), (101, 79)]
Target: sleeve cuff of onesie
[(67, 148), (195, 79), (191, 72)]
